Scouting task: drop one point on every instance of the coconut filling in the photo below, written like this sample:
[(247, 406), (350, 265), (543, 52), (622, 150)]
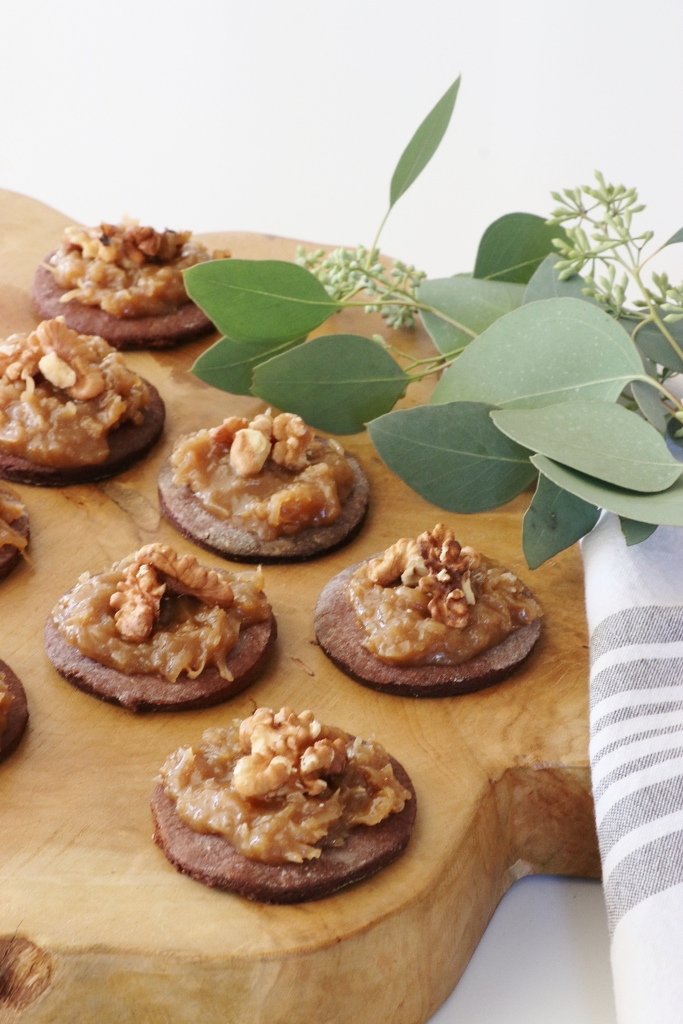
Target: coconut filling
[(61, 393), (157, 612), (282, 787), (272, 476), (432, 602), (125, 269), (11, 509), (5, 703)]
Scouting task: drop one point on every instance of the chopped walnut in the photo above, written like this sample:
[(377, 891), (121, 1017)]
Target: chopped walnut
[(284, 747), (72, 349), (225, 433), (249, 451), (292, 440), (438, 566), (192, 577), (137, 601), (399, 559)]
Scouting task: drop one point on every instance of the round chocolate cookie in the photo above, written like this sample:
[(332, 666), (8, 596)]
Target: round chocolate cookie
[(181, 507), (9, 555), (211, 859), (129, 332), (147, 692), (127, 444), (18, 713), (341, 637)]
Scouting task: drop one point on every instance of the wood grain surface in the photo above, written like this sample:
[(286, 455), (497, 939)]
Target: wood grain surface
[(95, 924)]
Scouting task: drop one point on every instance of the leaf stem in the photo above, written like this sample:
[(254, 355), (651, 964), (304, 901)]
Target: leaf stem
[(418, 305)]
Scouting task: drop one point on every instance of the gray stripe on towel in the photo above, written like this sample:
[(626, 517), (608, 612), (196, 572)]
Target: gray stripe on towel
[(650, 625), (648, 870)]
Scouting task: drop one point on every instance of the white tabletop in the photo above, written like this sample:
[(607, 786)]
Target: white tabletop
[(289, 118)]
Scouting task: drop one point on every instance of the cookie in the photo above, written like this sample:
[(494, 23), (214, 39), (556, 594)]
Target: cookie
[(212, 860), (141, 332), (18, 713), (9, 555), (341, 637), (127, 444), (154, 693), (181, 507)]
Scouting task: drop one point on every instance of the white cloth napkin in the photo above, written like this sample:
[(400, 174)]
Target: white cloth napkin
[(634, 603)]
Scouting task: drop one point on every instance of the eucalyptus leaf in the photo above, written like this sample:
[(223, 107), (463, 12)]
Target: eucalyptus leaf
[(654, 345), (675, 443), (259, 300), (512, 248), (476, 304), (650, 404), (634, 532), (554, 521), (229, 365), (336, 383), (423, 144), (601, 439), (664, 508), (542, 353), (546, 284), (452, 455), (678, 237)]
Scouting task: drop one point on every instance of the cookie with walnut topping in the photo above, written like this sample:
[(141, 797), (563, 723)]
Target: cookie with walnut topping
[(14, 530), (13, 711), (161, 632), (427, 618), (269, 490), (124, 283), (71, 410), (279, 808)]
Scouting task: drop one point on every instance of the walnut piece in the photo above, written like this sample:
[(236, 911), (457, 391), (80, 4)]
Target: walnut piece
[(249, 451), (395, 562), (71, 348), (438, 566), (292, 440), (225, 433), (285, 748), (138, 596), (192, 577), (136, 602)]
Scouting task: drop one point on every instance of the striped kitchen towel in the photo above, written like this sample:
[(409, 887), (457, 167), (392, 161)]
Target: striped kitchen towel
[(634, 603)]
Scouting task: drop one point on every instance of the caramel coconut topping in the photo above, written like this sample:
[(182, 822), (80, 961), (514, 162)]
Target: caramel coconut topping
[(272, 476), (5, 703), (160, 612), (11, 509), (429, 601), (61, 393), (281, 786), (125, 269)]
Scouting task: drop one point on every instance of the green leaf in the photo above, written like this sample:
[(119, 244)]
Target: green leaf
[(476, 304), (634, 532), (678, 237), (665, 508), (546, 284), (512, 248), (654, 345), (675, 443), (601, 439), (336, 383), (554, 521), (423, 144), (229, 365), (542, 353), (650, 404), (452, 455), (259, 300)]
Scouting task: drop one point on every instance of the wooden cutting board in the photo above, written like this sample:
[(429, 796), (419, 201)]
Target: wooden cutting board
[(95, 924)]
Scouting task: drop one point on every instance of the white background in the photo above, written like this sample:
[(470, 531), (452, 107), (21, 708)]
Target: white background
[(288, 116)]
